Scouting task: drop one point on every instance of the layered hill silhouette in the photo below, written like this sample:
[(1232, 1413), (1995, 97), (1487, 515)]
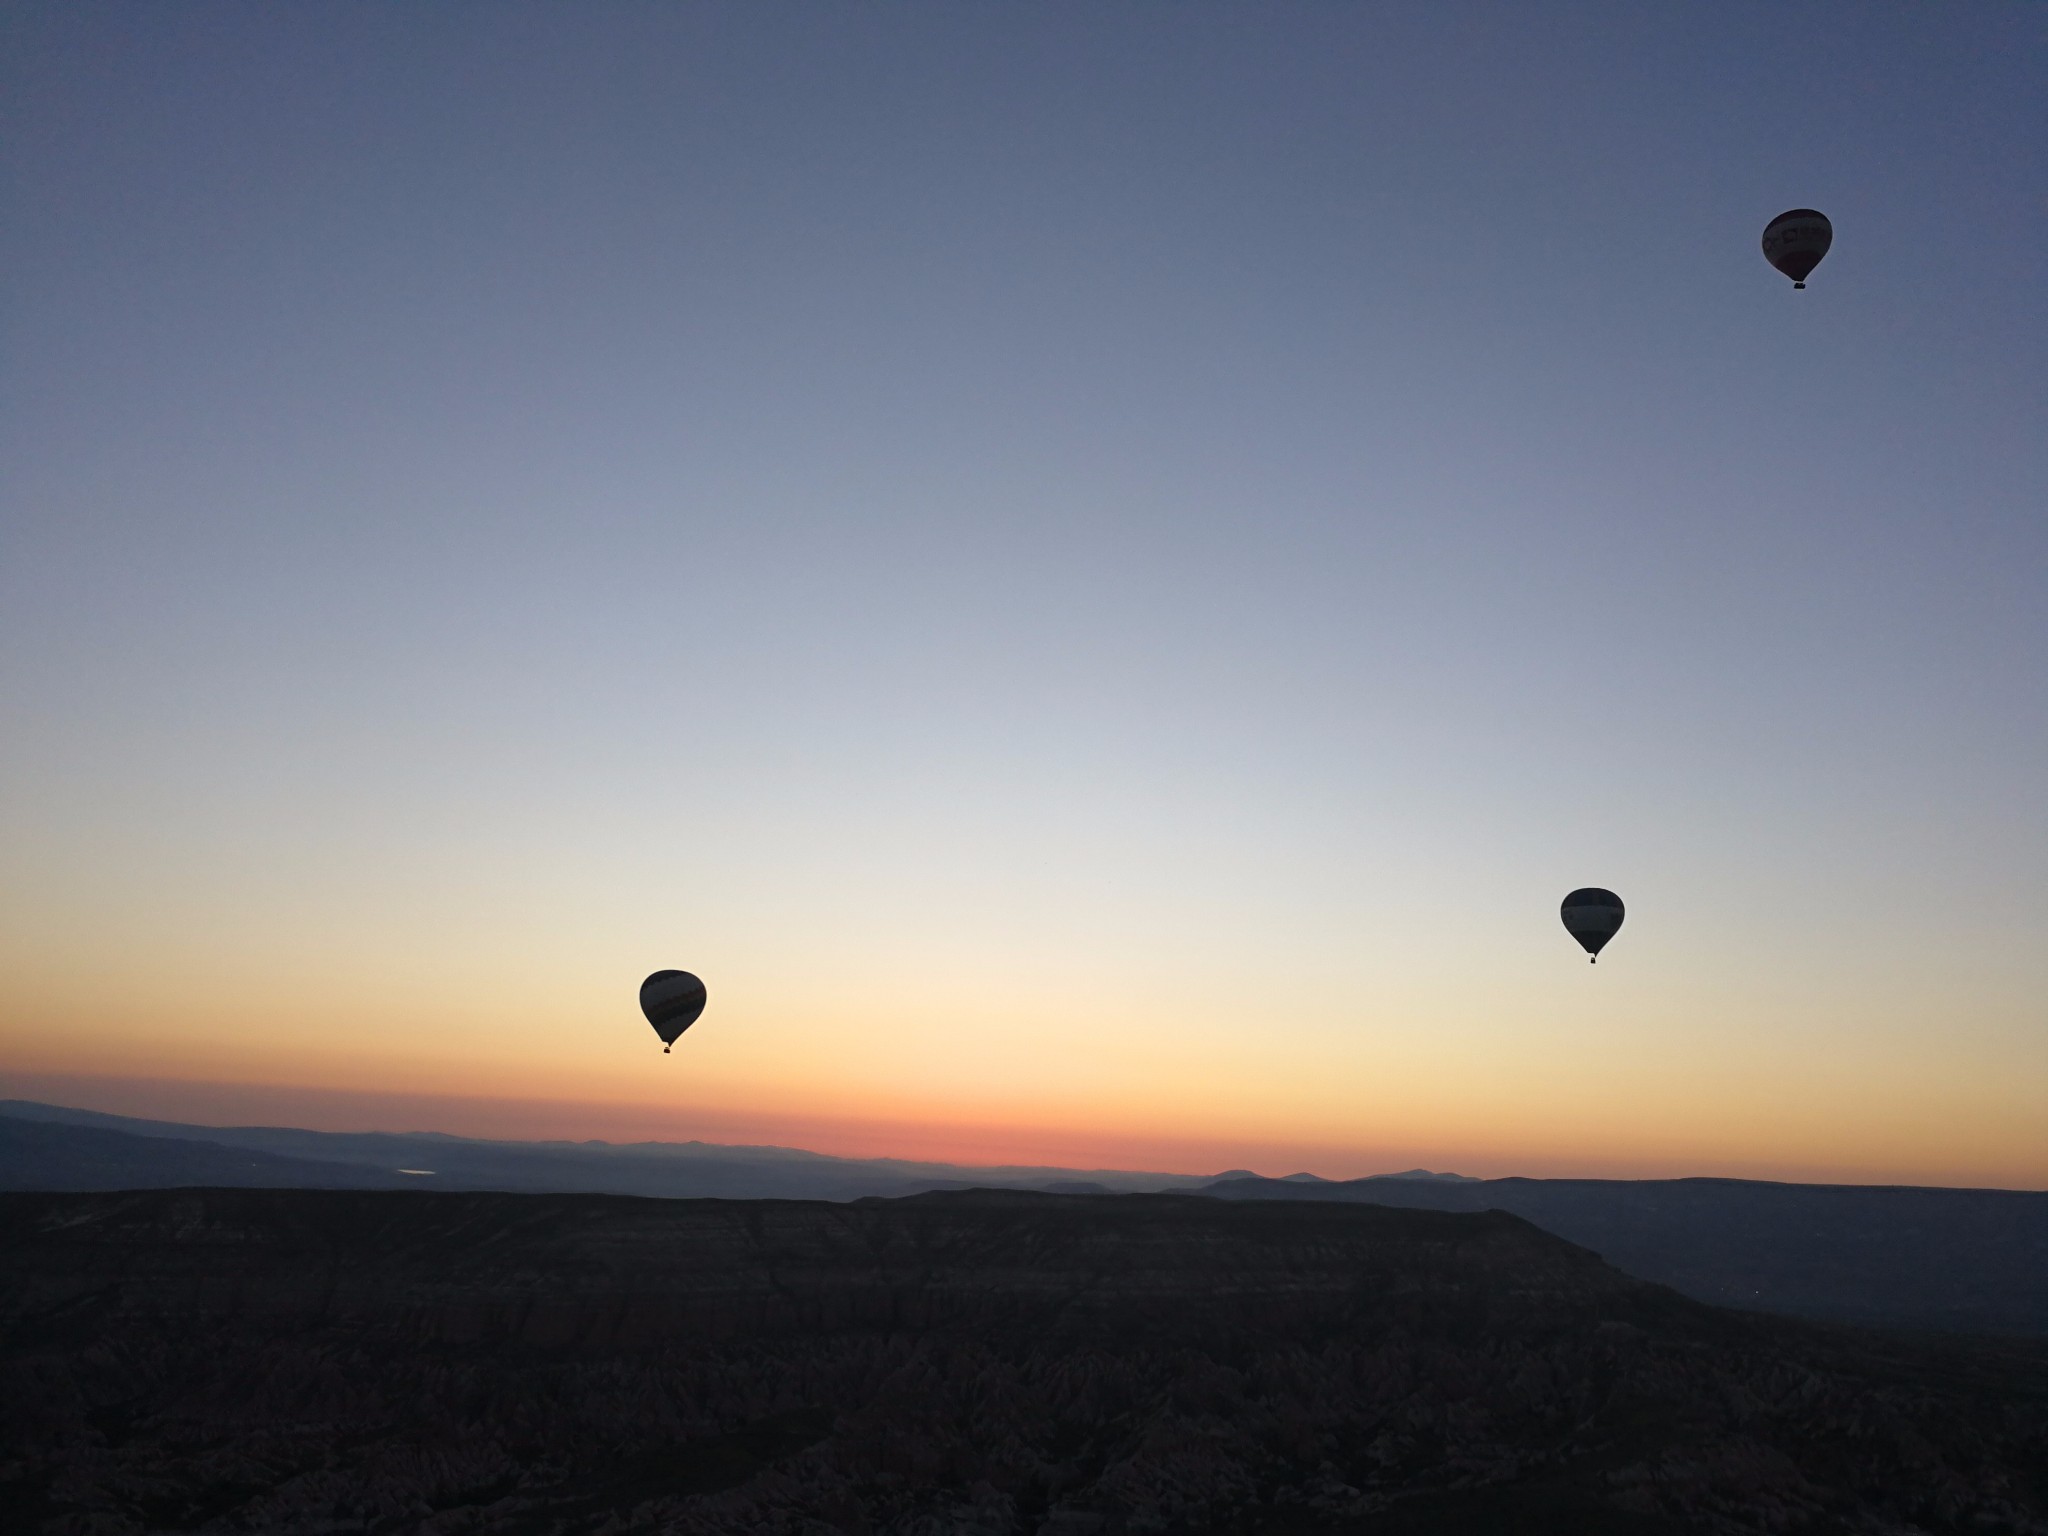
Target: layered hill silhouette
[(1972, 1260), (1963, 1260), (981, 1363), (126, 1153)]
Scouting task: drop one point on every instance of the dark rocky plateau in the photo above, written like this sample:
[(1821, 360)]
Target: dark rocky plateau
[(1956, 1260), (318, 1361)]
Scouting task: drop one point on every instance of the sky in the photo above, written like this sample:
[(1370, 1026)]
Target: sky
[(1097, 570)]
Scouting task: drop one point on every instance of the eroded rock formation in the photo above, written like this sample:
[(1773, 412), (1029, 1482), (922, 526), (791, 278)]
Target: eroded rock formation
[(318, 1361)]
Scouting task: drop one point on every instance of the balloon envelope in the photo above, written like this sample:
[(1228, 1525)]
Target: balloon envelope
[(1592, 916), (672, 1000), (1795, 241)]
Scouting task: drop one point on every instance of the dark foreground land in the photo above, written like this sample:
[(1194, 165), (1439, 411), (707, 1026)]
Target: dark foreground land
[(1949, 1260), (983, 1362)]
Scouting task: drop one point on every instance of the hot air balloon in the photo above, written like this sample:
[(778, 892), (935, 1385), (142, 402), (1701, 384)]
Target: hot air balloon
[(1795, 241), (1592, 916), (672, 1000)]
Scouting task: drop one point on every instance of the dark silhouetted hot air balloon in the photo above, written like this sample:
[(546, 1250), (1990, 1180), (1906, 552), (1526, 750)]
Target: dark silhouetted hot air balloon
[(672, 1000), (1592, 916), (1795, 241)]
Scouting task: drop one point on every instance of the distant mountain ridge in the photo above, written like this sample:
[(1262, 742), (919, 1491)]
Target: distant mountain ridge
[(669, 1169), (1962, 1260), (162, 1154), (57, 1155), (1424, 1173)]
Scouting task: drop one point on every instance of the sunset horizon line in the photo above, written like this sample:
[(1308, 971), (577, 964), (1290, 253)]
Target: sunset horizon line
[(222, 1104)]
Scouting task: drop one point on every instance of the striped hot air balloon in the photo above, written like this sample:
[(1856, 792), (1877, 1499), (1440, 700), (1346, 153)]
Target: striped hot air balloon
[(672, 1000)]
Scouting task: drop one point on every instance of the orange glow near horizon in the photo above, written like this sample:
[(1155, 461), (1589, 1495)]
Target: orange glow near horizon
[(984, 1143), (1217, 1022)]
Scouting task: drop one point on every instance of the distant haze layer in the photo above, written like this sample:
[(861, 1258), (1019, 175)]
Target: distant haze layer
[(973, 1143)]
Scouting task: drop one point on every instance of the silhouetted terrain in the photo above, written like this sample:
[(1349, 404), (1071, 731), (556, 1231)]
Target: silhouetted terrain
[(1974, 1260), (80, 1157), (161, 1154), (1963, 1259), (981, 1362)]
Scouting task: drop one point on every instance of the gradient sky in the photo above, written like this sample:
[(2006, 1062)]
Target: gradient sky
[(1097, 570)]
